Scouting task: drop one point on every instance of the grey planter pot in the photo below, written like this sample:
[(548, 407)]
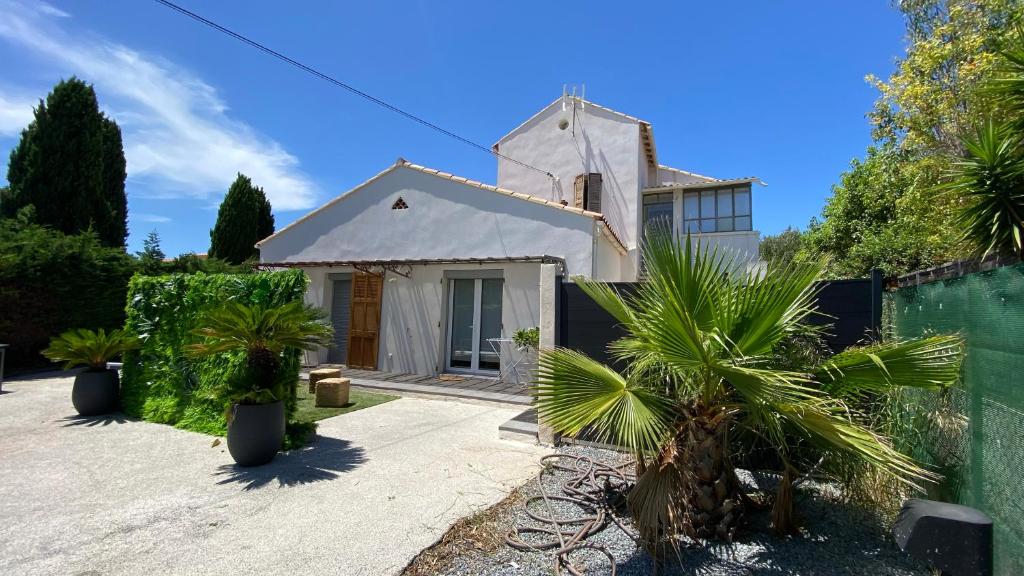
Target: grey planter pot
[(96, 392), (255, 432)]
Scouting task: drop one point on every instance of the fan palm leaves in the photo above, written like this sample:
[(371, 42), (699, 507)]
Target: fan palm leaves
[(698, 363), (83, 347)]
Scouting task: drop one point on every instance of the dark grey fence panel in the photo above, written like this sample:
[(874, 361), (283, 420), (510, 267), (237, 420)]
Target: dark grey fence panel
[(852, 307)]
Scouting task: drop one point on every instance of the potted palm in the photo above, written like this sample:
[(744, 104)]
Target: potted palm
[(701, 368), (96, 389), (256, 413)]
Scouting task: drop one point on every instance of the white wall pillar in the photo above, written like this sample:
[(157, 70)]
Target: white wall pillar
[(548, 325)]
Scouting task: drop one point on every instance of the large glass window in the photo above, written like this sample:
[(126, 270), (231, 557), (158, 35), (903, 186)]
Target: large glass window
[(717, 210), (658, 208)]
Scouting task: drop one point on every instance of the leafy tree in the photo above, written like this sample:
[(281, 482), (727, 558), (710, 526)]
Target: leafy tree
[(70, 165), (988, 182), (700, 357), (244, 218), (782, 247), (884, 213), (151, 259)]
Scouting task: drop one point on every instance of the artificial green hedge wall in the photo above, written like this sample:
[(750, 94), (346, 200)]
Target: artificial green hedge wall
[(158, 383)]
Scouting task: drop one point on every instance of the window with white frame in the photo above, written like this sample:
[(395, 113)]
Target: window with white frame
[(717, 210)]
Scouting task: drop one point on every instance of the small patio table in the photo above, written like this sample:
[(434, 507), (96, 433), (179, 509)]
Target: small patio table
[(497, 344)]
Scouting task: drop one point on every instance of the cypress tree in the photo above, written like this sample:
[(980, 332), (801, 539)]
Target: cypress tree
[(243, 219), (69, 164), (113, 230)]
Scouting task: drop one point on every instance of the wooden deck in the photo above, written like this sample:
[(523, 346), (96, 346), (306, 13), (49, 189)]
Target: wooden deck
[(444, 385)]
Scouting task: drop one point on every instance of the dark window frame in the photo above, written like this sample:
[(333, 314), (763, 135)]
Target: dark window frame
[(714, 220)]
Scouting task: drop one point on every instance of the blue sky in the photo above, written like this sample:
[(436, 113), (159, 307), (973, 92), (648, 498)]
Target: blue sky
[(732, 88)]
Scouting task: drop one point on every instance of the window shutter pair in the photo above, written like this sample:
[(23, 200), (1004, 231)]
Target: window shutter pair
[(588, 191)]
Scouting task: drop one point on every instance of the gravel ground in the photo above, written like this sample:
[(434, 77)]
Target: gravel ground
[(836, 540)]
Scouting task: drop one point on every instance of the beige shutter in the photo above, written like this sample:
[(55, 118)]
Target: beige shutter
[(580, 187)]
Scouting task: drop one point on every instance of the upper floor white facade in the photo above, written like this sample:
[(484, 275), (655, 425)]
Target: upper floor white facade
[(573, 139)]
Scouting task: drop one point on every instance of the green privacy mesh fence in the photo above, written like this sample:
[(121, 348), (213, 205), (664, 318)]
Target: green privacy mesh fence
[(979, 441)]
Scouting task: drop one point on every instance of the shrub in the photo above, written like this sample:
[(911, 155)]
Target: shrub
[(51, 282), (159, 382)]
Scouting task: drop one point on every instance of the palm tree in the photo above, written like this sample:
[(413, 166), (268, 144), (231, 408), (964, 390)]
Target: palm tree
[(264, 334), (699, 357)]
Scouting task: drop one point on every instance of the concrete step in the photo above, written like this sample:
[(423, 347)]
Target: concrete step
[(450, 391), (522, 428)]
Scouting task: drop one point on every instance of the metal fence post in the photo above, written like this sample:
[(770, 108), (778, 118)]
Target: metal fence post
[(876, 304)]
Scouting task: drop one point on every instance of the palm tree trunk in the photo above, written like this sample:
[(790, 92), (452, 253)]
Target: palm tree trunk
[(715, 501)]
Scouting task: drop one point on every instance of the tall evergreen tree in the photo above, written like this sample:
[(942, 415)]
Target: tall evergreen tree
[(70, 165), (244, 218), (151, 258)]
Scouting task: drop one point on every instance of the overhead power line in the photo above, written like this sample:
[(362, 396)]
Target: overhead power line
[(340, 84)]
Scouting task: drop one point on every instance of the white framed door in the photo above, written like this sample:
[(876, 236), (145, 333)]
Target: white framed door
[(474, 316)]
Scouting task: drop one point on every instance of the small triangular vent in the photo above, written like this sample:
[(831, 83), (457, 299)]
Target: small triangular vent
[(399, 204)]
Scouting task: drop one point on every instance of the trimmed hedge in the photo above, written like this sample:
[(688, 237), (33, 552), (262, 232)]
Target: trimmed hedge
[(159, 384), (51, 282)]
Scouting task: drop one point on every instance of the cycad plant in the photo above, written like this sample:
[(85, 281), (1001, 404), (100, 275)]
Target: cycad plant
[(84, 347), (264, 334), (700, 367)]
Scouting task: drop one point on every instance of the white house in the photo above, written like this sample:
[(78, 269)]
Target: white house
[(419, 269)]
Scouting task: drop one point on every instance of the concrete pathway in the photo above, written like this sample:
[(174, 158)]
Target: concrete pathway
[(117, 496)]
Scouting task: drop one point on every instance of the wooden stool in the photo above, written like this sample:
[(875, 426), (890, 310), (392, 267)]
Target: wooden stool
[(332, 392), (319, 374)]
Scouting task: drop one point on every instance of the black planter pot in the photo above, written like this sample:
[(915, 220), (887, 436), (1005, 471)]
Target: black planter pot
[(255, 432), (96, 392)]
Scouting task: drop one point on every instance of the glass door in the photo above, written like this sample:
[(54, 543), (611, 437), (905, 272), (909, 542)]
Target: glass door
[(474, 317)]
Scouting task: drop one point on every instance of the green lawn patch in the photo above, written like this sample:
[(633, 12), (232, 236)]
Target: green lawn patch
[(306, 411)]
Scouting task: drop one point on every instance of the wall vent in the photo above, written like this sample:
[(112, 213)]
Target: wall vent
[(399, 204)]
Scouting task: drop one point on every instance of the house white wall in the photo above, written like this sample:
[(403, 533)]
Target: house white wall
[(745, 245), (445, 219), (413, 320), (608, 262), (603, 142)]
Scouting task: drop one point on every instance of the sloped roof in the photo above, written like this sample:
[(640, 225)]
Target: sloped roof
[(403, 163), (688, 173), (707, 184)]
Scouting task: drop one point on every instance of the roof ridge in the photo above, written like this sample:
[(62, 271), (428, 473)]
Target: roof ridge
[(402, 162), (555, 101)]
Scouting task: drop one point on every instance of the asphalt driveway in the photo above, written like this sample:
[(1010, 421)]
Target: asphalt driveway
[(118, 496)]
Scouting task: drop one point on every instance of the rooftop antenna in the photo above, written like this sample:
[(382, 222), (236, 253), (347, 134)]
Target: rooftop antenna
[(583, 97)]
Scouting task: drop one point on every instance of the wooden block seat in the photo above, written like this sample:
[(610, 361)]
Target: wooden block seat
[(332, 392), (321, 373)]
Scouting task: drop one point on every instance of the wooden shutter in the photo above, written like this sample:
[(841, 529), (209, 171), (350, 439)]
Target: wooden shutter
[(364, 329), (594, 192), (580, 187)]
